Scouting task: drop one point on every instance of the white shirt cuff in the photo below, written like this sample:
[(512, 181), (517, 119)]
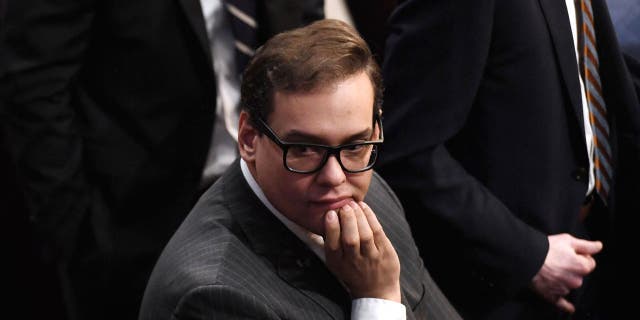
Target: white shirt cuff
[(374, 309)]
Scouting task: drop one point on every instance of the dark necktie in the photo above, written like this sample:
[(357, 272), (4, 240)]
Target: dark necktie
[(243, 25), (597, 107)]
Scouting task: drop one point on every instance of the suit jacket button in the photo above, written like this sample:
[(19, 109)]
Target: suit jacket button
[(580, 174)]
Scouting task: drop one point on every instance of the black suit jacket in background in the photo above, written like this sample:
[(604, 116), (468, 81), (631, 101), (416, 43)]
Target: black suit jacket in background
[(485, 145), (634, 70), (109, 112), (233, 259)]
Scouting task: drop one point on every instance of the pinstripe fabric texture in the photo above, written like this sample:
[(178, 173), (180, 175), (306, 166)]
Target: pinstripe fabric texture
[(597, 106), (232, 259)]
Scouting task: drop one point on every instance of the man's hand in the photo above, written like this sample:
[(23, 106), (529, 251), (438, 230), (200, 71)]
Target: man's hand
[(568, 261), (360, 254)]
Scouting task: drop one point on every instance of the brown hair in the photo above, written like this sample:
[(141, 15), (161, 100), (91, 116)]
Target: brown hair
[(305, 59)]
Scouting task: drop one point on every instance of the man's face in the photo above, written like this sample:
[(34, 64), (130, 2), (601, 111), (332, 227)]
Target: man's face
[(332, 116)]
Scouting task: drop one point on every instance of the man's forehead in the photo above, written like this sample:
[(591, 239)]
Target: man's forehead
[(321, 118), (353, 95), (329, 130)]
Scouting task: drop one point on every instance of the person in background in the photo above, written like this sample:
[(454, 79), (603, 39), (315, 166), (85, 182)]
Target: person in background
[(515, 151), (117, 116), (370, 18), (300, 227)]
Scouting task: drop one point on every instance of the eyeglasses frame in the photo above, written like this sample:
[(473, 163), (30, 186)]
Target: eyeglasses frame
[(284, 146)]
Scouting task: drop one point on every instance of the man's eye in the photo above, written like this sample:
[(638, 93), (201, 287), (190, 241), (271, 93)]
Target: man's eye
[(354, 147), (305, 150)]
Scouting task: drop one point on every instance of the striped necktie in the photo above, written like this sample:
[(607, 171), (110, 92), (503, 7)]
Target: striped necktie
[(596, 105), (243, 25)]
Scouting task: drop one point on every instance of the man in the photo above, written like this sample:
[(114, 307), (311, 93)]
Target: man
[(497, 154), (287, 232), (110, 113)]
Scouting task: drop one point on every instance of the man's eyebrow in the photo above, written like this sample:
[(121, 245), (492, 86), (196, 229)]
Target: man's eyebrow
[(297, 136)]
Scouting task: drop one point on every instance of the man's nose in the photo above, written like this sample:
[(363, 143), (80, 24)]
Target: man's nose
[(332, 173)]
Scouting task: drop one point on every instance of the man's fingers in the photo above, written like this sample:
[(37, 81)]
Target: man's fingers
[(565, 305), (349, 236), (381, 240), (371, 217), (587, 264), (587, 247), (367, 245), (332, 234), (572, 281)]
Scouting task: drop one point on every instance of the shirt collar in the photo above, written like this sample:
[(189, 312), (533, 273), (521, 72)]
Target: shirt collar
[(315, 242)]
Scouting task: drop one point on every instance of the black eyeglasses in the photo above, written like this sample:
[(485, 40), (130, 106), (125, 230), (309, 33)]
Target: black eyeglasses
[(309, 157)]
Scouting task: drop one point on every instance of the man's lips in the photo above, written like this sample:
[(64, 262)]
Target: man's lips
[(332, 203)]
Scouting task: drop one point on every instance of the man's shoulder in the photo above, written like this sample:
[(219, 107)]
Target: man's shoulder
[(214, 247), (390, 213), (198, 250), (206, 251), (381, 196)]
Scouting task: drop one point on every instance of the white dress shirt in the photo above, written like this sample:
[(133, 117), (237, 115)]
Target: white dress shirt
[(362, 308), (223, 149)]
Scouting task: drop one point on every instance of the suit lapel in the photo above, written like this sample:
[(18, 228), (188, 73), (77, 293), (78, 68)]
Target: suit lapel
[(292, 260), (305, 271), (556, 15), (193, 13)]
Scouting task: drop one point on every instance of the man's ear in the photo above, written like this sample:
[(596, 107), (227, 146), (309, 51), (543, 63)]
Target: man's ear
[(247, 138)]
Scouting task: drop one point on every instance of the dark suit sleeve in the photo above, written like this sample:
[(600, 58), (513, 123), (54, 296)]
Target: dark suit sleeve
[(435, 57), (42, 52), (221, 302)]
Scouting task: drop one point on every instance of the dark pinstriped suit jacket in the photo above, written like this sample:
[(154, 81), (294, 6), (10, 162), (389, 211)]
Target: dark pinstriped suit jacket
[(232, 259)]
